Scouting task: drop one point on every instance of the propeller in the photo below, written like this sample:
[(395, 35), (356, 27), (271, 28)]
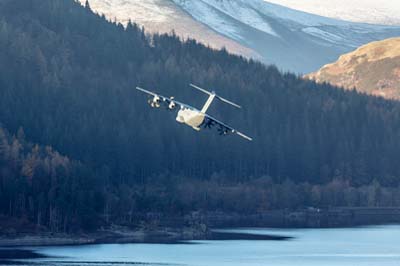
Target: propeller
[(172, 104), (154, 102), (208, 123), (223, 131)]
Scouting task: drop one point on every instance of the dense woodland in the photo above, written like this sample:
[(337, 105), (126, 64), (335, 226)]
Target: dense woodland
[(67, 79)]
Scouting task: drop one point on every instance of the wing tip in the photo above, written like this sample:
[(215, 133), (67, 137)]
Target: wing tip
[(244, 136)]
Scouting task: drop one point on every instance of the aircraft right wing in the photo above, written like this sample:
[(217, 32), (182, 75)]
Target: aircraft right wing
[(223, 128)]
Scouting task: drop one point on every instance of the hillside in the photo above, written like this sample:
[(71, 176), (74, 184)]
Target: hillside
[(160, 16), (43, 188), (292, 40), (373, 69), (67, 79)]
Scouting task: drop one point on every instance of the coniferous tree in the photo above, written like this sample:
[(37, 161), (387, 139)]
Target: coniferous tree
[(68, 80)]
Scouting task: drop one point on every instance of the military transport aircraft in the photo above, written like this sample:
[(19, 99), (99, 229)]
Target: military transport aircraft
[(191, 116)]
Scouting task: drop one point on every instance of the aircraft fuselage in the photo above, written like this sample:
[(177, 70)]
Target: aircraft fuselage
[(190, 117)]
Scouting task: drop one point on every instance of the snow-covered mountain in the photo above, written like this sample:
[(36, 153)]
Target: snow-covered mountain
[(291, 39), (163, 16), (385, 12)]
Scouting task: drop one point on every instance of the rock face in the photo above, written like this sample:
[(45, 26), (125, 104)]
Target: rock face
[(373, 69)]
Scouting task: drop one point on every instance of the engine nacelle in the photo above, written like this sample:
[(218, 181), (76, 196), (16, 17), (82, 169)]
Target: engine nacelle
[(155, 102), (172, 105)]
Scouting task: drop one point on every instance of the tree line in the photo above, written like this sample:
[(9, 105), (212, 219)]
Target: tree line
[(68, 77)]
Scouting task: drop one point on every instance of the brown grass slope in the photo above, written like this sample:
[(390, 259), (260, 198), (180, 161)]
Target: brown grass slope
[(373, 68)]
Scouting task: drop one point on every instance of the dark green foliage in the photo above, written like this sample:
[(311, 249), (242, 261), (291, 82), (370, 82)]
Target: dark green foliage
[(45, 187), (67, 76)]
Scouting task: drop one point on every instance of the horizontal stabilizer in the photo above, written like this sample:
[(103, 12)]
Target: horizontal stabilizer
[(202, 90), (216, 96), (229, 102)]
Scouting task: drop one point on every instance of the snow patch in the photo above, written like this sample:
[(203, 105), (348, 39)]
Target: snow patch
[(323, 34), (145, 11), (384, 12), (218, 14)]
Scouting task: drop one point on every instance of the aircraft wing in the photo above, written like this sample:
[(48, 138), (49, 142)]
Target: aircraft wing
[(148, 92), (223, 128), (166, 100)]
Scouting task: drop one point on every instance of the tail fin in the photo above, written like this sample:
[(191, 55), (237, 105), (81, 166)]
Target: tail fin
[(216, 96)]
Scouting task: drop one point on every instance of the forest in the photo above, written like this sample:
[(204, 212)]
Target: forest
[(79, 147)]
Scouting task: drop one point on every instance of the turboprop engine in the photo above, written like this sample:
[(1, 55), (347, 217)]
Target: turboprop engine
[(172, 104), (155, 102)]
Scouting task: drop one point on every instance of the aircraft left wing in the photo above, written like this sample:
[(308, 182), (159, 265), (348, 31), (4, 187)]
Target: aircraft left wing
[(223, 128), (166, 100), (148, 92)]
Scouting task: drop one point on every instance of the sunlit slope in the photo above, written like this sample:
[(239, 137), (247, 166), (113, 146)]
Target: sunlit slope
[(161, 16), (373, 68)]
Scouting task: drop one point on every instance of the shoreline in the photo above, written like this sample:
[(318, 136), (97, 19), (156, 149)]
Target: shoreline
[(159, 228), (161, 236)]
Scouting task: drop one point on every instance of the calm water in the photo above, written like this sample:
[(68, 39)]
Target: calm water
[(372, 246)]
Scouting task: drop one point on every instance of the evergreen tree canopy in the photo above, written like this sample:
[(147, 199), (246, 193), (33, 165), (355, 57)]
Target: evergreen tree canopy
[(67, 77)]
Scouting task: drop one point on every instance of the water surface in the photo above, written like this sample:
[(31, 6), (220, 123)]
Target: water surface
[(367, 246)]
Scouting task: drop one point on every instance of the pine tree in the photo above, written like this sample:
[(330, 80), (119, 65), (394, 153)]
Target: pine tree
[(87, 5)]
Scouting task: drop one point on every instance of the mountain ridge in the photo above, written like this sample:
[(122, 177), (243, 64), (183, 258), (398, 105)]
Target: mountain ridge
[(293, 40), (160, 16), (384, 12)]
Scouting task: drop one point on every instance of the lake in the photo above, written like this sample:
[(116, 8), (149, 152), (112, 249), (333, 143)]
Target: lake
[(364, 246)]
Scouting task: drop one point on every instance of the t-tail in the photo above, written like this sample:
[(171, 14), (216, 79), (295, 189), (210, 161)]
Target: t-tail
[(212, 96)]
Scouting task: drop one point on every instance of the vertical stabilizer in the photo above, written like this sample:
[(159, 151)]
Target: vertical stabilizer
[(208, 103), (212, 96)]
